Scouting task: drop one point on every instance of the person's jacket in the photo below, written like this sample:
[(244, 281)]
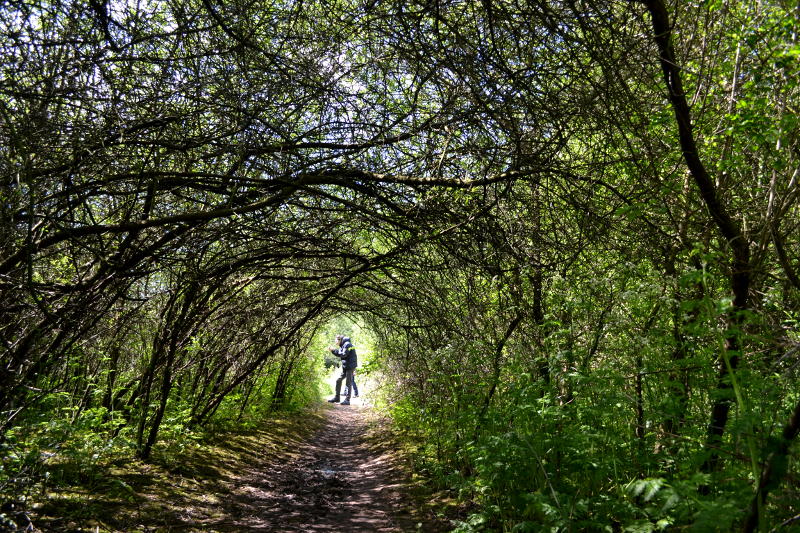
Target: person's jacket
[(348, 354)]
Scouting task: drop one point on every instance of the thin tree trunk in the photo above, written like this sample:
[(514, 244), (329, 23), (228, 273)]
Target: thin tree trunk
[(179, 332), (727, 226), (166, 385), (678, 384), (538, 319), (498, 353)]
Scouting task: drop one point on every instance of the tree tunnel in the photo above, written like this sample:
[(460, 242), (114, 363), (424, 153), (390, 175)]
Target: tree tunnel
[(569, 228)]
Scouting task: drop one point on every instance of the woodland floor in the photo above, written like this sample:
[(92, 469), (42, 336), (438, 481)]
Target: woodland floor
[(329, 470)]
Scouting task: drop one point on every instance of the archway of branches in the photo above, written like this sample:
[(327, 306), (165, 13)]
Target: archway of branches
[(528, 204)]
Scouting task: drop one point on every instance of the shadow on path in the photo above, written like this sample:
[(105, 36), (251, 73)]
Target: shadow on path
[(335, 483), (317, 472)]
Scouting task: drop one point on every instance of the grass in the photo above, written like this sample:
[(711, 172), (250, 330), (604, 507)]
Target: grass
[(181, 489)]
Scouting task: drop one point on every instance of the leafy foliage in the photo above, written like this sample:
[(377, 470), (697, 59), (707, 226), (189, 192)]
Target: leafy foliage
[(569, 230)]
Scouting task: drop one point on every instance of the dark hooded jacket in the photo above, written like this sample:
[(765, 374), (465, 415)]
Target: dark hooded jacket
[(348, 354)]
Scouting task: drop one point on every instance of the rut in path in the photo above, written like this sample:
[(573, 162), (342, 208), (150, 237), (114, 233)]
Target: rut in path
[(336, 483)]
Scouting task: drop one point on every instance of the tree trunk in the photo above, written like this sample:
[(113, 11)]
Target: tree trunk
[(727, 226)]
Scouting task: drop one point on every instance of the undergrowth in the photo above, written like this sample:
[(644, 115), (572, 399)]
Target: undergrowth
[(522, 467), (79, 469)]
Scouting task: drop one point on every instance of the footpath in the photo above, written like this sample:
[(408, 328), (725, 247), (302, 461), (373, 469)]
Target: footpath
[(323, 472), (336, 482)]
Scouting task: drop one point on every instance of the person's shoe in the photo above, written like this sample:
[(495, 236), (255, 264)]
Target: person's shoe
[(345, 402), (335, 399), (356, 395)]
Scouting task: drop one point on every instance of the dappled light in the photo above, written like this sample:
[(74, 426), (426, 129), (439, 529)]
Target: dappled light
[(555, 244)]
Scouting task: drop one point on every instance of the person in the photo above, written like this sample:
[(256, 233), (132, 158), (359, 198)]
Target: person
[(345, 350), (355, 387)]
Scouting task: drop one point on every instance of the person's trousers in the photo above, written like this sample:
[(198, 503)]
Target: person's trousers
[(347, 377), (355, 387)]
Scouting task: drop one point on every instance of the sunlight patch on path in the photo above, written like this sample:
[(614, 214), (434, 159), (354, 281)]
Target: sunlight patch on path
[(335, 483)]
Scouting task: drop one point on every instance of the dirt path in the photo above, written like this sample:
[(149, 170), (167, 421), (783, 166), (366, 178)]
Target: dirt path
[(337, 482), (327, 471)]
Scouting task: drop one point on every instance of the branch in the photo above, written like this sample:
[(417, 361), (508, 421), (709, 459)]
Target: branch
[(783, 258), (344, 177), (672, 76)]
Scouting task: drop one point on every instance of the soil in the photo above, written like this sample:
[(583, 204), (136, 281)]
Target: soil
[(338, 482), (333, 469)]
